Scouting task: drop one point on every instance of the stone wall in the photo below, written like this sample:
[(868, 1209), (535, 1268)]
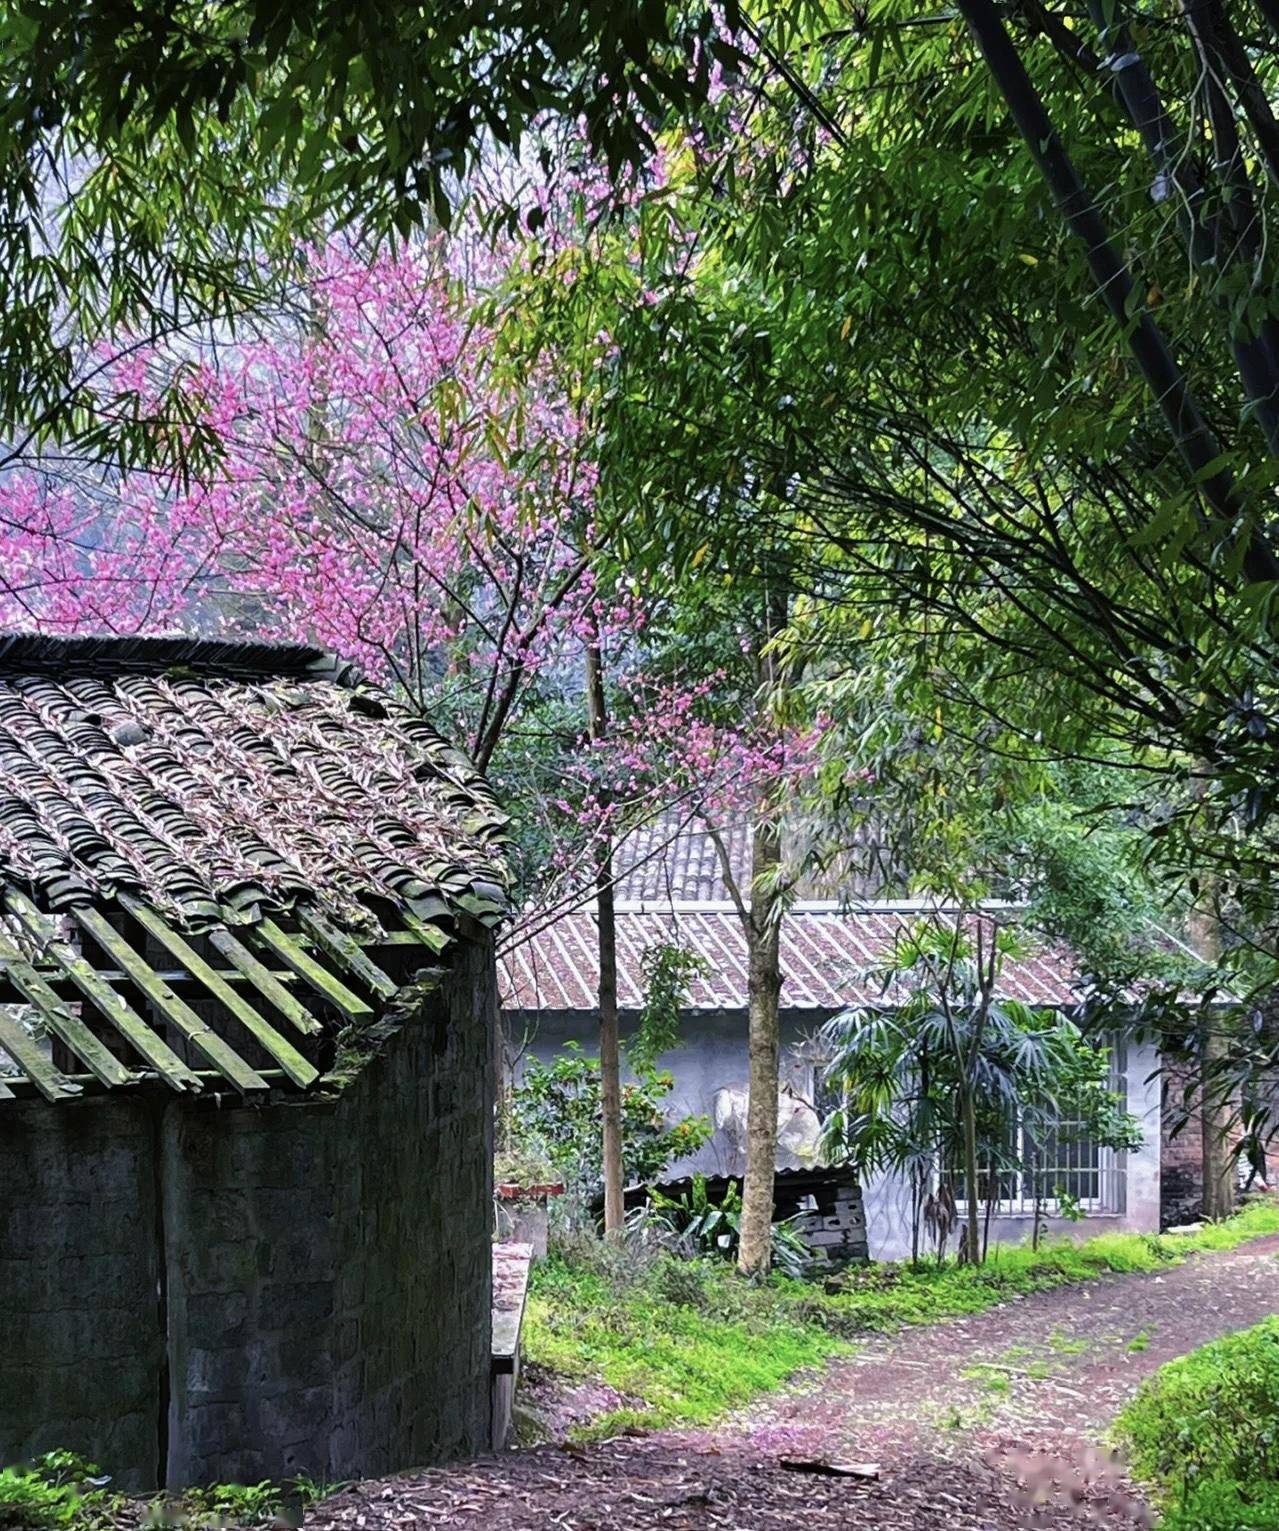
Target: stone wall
[(1181, 1194), (81, 1357), (1183, 1176), (326, 1270)]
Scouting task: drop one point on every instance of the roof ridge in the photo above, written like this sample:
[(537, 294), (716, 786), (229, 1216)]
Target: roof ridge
[(24, 652)]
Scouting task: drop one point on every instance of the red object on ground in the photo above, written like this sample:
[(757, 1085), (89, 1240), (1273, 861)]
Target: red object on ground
[(509, 1191)]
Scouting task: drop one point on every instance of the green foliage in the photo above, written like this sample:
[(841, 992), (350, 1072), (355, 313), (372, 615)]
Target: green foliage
[(237, 1504), (668, 971), (556, 1110), (60, 1489), (886, 364), (1211, 1417), (1079, 863), (940, 1040), (1221, 1506), (117, 124), (713, 1228), (690, 1339)]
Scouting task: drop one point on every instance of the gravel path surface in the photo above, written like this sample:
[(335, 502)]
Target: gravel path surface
[(990, 1423)]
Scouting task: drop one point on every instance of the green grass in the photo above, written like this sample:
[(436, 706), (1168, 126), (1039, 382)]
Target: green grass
[(1204, 1430), (690, 1341)]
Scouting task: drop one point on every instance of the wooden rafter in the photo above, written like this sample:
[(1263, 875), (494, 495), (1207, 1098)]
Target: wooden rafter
[(68, 1028), (109, 1003), (265, 981), (174, 1009), (347, 953), (26, 1052), (112, 974), (302, 1072), (294, 956)]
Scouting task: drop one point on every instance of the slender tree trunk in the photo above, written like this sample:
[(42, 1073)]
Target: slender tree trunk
[(763, 942), (1215, 240), (1214, 1109), (1218, 1161), (610, 1041), (972, 1191), (1230, 60), (1270, 10)]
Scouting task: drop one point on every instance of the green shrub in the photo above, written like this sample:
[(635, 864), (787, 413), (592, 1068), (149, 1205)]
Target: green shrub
[(1211, 1415), (553, 1116), (1226, 1507), (59, 1489)]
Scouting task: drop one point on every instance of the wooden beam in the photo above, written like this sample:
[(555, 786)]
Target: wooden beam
[(310, 971), (109, 1003), (57, 979), (26, 1052), (302, 1072), (176, 1011), (346, 951), (265, 981), (68, 1028), (428, 934)]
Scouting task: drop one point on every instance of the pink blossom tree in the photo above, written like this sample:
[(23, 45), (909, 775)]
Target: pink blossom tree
[(389, 486)]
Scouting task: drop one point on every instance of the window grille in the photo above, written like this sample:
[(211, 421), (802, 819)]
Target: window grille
[(1066, 1168)]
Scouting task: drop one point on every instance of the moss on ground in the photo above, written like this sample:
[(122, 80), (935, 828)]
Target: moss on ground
[(690, 1340)]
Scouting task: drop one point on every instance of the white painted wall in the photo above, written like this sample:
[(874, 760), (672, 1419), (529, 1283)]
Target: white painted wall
[(709, 1069)]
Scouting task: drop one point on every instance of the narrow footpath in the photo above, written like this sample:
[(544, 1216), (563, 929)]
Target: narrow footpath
[(990, 1423)]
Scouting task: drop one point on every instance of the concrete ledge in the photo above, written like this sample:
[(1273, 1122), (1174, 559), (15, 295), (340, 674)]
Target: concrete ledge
[(511, 1264)]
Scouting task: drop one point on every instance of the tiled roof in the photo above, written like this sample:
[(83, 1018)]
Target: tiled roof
[(823, 950), (250, 797), (222, 780), (674, 857)]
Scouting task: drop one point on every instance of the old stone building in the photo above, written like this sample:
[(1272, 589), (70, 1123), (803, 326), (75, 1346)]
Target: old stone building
[(246, 1054)]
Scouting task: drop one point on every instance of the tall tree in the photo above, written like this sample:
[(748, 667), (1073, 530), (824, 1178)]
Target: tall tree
[(606, 919)]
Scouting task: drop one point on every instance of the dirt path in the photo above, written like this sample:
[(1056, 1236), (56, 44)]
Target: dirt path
[(988, 1423)]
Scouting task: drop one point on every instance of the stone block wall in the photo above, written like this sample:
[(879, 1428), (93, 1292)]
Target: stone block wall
[(81, 1360), (1183, 1175), (325, 1272)]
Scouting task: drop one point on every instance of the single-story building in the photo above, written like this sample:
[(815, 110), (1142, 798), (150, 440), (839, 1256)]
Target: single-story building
[(247, 1021), (670, 887)]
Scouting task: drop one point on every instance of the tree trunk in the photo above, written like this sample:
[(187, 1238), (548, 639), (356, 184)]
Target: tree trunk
[(1214, 1109), (763, 942), (1213, 241), (1218, 1161), (606, 917), (971, 1189)]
